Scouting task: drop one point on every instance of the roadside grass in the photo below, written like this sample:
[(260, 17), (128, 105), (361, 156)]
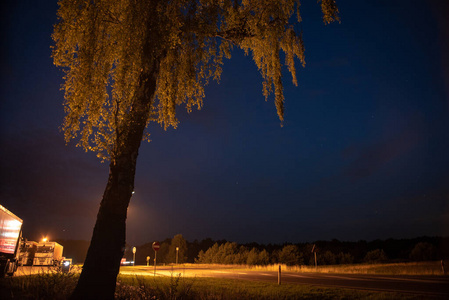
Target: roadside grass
[(412, 268), (51, 284), (54, 284), (176, 287), (214, 288), (409, 268), (57, 285)]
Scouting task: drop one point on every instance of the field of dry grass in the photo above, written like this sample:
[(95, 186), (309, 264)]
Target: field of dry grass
[(57, 285), (413, 268)]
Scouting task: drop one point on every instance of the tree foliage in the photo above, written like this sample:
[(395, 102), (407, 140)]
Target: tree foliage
[(109, 49), (290, 255), (375, 256), (423, 251), (179, 242)]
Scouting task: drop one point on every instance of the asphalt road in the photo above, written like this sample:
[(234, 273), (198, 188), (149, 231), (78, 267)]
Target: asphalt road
[(427, 286)]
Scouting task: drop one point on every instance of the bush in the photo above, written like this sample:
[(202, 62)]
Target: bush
[(345, 258), (375, 256), (423, 252), (328, 258)]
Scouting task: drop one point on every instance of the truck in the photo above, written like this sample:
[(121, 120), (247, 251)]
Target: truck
[(27, 253), (10, 239), (48, 254)]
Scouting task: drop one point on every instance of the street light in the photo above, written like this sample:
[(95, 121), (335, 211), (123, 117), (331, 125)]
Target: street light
[(134, 256), (44, 239), (177, 248)]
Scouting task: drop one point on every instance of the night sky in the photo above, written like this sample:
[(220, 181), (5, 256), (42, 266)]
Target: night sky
[(363, 153)]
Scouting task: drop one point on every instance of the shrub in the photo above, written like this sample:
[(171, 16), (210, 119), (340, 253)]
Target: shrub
[(423, 252), (375, 256)]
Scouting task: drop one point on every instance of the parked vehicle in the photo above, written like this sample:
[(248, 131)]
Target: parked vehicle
[(10, 238), (27, 253), (48, 254), (66, 265)]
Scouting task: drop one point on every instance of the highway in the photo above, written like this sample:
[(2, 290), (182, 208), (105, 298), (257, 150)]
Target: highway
[(427, 286)]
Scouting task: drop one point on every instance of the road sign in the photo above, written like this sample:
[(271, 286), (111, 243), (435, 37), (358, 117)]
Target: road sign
[(134, 249), (156, 246)]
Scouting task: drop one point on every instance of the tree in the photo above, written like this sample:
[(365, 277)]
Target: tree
[(177, 242), (128, 63), (253, 257), (423, 251), (264, 257), (328, 258), (375, 256), (290, 255), (345, 258)]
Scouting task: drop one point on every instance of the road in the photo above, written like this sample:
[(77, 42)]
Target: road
[(428, 286)]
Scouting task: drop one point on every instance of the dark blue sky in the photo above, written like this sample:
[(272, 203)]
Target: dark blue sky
[(363, 153)]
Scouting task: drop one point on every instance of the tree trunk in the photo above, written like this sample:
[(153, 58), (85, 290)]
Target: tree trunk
[(102, 264)]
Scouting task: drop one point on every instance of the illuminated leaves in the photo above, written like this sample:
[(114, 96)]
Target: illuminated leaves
[(106, 46)]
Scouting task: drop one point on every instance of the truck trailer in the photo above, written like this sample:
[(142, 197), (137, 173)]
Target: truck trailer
[(27, 253), (48, 254), (10, 239)]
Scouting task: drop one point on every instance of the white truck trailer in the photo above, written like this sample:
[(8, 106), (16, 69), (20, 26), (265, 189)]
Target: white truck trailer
[(10, 239), (48, 254)]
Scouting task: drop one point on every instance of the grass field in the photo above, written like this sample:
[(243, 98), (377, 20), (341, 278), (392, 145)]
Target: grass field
[(415, 268), (224, 289), (57, 285)]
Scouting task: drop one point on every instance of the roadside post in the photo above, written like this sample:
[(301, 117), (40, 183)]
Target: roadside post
[(148, 261), (156, 247), (442, 267), (134, 256), (314, 250), (279, 275)]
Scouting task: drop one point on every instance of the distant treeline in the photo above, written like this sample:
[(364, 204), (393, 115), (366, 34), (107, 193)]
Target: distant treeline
[(328, 252)]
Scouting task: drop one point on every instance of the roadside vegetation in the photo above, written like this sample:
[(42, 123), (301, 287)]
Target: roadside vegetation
[(332, 252), (176, 287), (59, 286), (411, 268), (421, 256), (52, 284)]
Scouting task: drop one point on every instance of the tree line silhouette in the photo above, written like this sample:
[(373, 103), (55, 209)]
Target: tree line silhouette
[(328, 252)]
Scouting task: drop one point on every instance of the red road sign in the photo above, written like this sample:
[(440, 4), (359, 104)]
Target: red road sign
[(156, 246)]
